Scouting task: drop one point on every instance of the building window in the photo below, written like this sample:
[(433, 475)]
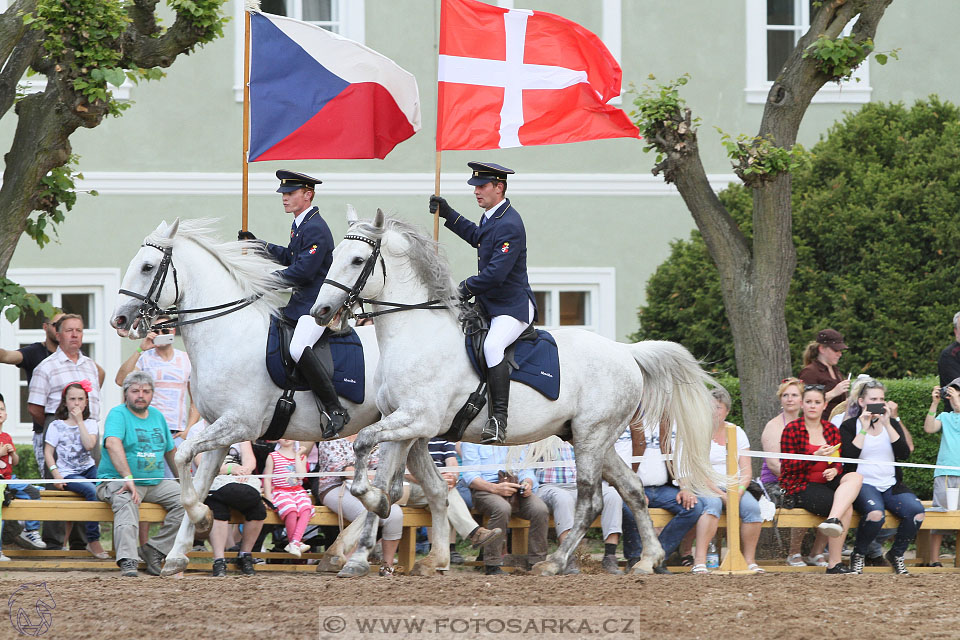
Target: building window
[(88, 292), (345, 17), (773, 29), (575, 297)]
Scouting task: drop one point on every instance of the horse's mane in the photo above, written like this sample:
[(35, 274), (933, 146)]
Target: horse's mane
[(423, 253), (253, 271)]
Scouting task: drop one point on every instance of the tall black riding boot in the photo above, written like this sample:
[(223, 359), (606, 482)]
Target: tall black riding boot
[(498, 382), (326, 394)]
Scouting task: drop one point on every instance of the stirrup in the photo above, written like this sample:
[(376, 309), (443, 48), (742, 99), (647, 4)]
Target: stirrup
[(494, 432), (336, 421)]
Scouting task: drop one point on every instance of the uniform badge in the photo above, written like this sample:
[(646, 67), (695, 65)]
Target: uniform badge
[(313, 250), (505, 247), (292, 234)]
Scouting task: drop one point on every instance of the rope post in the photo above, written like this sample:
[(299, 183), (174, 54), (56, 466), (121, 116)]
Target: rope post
[(734, 562)]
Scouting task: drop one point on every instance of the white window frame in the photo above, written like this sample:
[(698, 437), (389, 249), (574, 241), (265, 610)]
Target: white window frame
[(600, 282), (758, 87), (103, 285), (352, 25)]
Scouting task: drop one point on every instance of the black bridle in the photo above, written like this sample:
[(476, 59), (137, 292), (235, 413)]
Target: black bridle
[(353, 293), (150, 307)]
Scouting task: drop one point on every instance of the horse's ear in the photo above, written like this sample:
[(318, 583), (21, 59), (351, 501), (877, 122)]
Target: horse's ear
[(352, 216), (378, 221), (172, 229)]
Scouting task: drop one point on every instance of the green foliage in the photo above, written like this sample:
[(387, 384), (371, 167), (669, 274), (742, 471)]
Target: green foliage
[(14, 299), (839, 57), (59, 189), (878, 248), (756, 159), (27, 467), (203, 15), (660, 107)]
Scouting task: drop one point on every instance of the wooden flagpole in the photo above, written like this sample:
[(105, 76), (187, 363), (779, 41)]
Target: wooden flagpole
[(245, 190), (436, 192)]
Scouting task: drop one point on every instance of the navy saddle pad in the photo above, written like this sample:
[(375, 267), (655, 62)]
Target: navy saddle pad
[(537, 360), (347, 354)]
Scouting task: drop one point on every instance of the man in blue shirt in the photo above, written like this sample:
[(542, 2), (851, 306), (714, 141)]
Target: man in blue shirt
[(307, 259), (500, 498), (137, 441), (501, 284)]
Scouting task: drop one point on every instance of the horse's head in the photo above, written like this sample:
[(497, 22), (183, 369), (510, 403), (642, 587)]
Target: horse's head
[(352, 274), (146, 288)]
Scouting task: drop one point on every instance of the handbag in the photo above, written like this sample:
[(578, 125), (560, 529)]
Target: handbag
[(514, 500), (755, 489)]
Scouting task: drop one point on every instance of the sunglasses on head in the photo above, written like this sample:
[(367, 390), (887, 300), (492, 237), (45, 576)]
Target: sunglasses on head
[(814, 387)]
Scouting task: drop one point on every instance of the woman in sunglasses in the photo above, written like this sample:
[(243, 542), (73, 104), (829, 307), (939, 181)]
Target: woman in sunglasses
[(874, 434), (819, 487)]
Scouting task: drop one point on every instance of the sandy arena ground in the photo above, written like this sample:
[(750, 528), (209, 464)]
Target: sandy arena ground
[(104, 606)]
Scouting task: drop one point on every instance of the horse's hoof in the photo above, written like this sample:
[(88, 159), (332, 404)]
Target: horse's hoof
[(354, 571), (546, 568), (330, 564), (174, 565), (205, 523), (383, 507), (422, 568), (643, 568)]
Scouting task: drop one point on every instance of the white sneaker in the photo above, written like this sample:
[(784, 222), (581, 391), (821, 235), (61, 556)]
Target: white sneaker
[(293, 549), (4, 558), (304, 548), (33, 539)]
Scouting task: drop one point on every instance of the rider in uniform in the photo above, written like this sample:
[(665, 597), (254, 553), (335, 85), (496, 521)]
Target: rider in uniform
[(500, 285), (307, 259)]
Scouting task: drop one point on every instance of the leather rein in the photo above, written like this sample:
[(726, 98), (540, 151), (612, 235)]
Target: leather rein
[(353, 293), (150, 308)]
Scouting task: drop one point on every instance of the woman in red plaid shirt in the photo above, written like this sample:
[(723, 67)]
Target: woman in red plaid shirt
[(819, 487)]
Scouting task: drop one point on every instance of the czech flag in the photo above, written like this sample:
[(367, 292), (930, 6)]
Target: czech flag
[(317, 95)]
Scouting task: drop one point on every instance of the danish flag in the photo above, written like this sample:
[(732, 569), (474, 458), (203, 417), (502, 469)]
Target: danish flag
[(514, 77)]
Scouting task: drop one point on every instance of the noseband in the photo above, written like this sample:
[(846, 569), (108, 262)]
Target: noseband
[(353, 293), (150, 302)]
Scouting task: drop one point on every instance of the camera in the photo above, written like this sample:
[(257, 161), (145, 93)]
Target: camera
[(943, 391), (877, 408)]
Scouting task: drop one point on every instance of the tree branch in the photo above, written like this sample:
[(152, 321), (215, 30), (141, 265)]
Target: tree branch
[(143, 16), (22, 56)]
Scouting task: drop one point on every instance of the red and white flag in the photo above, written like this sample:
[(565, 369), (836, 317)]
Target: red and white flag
[(514, 77)]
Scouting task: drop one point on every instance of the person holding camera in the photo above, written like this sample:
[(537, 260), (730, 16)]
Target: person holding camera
[(949, 455), (875, 436)]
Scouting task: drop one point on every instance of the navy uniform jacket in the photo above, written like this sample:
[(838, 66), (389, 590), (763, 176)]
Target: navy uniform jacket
[(308, 258), (501, 282)]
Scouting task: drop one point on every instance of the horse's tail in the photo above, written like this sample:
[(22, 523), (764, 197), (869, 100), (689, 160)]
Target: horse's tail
[(675, 388)]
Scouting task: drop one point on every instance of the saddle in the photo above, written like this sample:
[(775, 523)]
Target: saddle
[(537, 364), (340, 355)]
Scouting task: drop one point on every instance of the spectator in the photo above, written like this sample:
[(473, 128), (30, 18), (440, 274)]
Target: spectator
[(233, 488), (27, 358), (337, 455), (70, 439), (820, 367), (819, 487), (948, 365), (171, 370), (497, 496), (949, 454), (713, 504), (789, 393), (661, 493), (287, 494), (444, 455), (30, 536), (137, 440), (877, 435), (67, 364), (557, 487)]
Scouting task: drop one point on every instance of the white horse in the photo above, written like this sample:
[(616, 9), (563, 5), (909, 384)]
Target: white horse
[(230, 383), (426, 377)]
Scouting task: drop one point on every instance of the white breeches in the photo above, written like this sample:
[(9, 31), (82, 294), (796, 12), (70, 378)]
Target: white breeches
[(504, 330), (305, 335)]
